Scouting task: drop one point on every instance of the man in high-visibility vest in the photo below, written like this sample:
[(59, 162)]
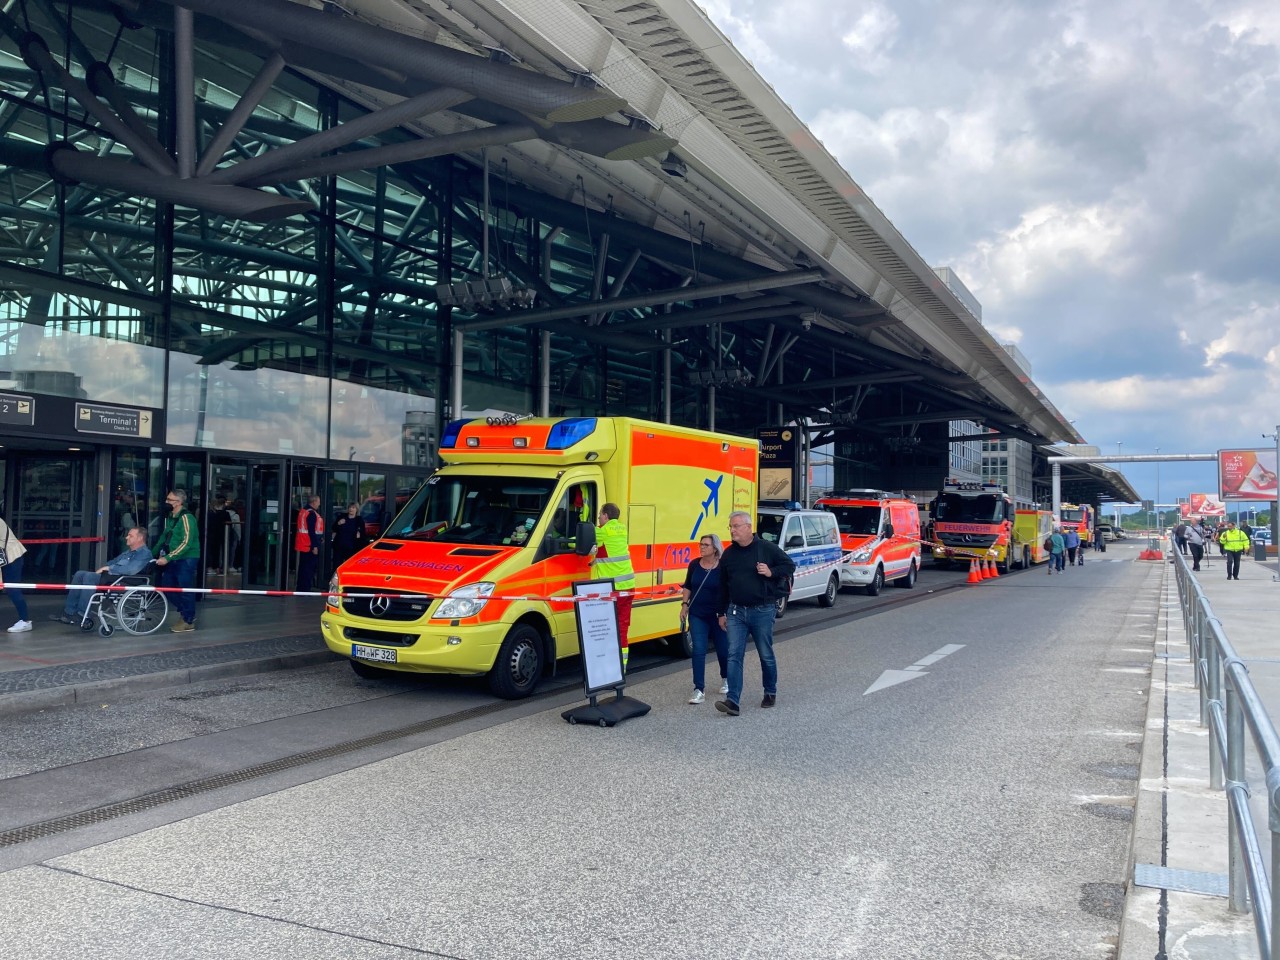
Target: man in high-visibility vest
[(613, 559), (307, 541), (1233, 543)]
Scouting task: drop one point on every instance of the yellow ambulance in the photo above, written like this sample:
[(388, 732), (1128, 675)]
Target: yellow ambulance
[(465, 579)]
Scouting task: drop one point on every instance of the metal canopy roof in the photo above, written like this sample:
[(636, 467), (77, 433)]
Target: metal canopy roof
[(642, 112)]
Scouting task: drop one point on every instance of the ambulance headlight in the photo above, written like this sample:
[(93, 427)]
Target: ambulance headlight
[(333, 599), (464, 602), (861, 556)]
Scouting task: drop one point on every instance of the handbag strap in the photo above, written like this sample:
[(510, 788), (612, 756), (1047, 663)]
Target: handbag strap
[(706, 576)]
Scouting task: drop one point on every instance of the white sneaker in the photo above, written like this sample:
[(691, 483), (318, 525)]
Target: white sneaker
[(698, 695), (724, 686), (22, 626)]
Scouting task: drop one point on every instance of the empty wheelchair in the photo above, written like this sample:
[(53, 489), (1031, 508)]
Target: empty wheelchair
[(132, 606)]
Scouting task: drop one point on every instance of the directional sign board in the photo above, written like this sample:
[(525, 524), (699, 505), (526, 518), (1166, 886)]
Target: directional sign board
[(17, 410), (113, 421)]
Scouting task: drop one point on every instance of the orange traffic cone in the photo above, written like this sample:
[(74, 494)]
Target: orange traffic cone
[(995, 570), (974, 575), (984, 567)]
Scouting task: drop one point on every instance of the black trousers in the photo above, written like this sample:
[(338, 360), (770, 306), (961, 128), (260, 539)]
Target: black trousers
[(1197, 552), (1233, 564)]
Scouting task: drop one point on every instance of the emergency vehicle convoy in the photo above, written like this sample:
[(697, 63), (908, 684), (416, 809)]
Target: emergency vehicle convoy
[(880, 537), (1079, 517), (459, 581), (972, 521)]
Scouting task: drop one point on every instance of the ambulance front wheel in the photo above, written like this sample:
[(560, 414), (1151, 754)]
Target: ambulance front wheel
[(909, 581), (877, 583), (518, 668)]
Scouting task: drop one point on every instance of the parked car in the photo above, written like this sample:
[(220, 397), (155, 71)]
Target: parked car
[(810, 538), (1105, 531), (1262, 535)]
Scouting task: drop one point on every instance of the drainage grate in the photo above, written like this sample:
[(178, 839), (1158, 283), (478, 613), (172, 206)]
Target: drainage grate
[(1181, 881), (48, 828)]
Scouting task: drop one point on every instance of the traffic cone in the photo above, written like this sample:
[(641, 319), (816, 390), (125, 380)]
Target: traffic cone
[(995, 570), (974, 576), (986, 568)]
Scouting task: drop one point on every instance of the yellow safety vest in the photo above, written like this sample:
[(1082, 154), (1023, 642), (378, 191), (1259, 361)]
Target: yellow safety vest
[(614, 556)]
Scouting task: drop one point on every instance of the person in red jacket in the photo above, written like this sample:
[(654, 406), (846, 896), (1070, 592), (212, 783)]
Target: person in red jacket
[(307, 541)]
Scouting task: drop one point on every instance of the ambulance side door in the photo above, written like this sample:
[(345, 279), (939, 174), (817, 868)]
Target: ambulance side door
[(561, 569)]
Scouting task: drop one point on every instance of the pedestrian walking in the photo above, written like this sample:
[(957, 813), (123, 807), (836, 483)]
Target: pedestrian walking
[(1057, 551), (12, 554), (1195, 537), (1234, 543), (177, 553), (1180, 537), (754, 573), (701, 595), (1071, 540)]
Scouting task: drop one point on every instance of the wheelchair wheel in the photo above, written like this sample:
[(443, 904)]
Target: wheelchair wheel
[(106, 629), (87, 624), (142, 611)]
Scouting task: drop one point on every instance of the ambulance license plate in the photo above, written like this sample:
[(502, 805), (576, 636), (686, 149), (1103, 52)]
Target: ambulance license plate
[(378, 654)]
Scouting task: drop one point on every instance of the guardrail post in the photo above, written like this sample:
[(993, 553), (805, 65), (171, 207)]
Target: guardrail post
[(1213, 695), (1238, 889)]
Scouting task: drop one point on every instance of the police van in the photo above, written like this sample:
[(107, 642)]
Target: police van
[(812, 540)]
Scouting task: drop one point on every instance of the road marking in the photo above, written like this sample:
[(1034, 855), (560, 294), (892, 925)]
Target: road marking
[(892, 678)]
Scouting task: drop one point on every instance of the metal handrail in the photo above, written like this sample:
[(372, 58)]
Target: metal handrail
[(1229, 702)]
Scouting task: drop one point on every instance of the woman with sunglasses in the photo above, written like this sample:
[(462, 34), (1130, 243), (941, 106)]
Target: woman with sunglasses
[(700, 595)]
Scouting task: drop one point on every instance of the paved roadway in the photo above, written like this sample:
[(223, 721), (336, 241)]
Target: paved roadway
[(980, 808)]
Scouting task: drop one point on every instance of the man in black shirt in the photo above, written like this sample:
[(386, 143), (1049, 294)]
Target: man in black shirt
[(753, 574)]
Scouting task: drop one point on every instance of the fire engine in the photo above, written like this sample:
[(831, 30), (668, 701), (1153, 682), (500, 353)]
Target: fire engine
[(1081, 518), (972, 521)]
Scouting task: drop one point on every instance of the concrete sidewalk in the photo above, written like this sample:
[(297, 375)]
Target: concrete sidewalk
[(60, 664), (1180, 826)]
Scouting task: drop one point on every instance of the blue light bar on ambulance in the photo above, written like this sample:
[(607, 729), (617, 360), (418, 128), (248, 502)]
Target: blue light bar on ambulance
[(568, 432), (449, 439)]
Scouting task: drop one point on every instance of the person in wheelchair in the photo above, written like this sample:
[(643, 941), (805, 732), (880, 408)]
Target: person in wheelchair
[(132, 562)]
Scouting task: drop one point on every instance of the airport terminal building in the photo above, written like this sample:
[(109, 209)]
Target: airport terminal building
[(259, 250)]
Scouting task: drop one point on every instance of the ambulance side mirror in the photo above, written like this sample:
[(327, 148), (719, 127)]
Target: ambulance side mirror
[(586, 539), (888, 531)]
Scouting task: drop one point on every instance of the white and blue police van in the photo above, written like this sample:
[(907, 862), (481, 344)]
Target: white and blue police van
[(811, 538)]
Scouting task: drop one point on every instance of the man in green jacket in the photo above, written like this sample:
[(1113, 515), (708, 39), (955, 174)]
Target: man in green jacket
[(177, 554), (1233, 543), (613, 560)]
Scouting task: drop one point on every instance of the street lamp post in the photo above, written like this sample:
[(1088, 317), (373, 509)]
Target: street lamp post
[(1158, 517)]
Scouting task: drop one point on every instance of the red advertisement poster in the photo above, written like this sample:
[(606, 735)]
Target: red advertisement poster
[(1207, 505), (1184, 510), (1247, 474)]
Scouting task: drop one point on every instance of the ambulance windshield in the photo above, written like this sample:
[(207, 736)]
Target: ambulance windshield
[(857, 521), (955, 508), (480, 510)]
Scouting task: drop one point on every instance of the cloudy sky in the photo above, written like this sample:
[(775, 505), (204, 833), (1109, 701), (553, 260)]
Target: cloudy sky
[(1104, 176)]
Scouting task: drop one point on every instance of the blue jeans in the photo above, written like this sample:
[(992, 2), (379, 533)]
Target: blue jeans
[(181, 573), (758, 621), (699, 630), (1060, 561), (13, 572), (78, 600)]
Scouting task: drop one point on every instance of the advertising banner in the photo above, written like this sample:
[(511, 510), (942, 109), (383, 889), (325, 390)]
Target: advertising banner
[(1207, 505), (1184, 510), (1247, 474)]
